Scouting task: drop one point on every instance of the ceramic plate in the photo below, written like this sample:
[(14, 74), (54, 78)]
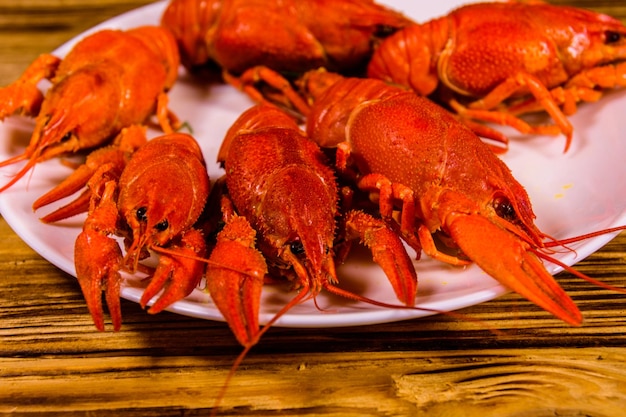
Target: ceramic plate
[(573, 194)]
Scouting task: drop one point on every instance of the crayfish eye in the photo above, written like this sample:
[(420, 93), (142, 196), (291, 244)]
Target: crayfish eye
[(296, 247), (66, 137), (162, 225), (384, 31), (504, 208), (141, 214), (611, 37)]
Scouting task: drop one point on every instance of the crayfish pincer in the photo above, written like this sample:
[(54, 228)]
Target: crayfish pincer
[(110, 80), (153, 205), (281, 183)]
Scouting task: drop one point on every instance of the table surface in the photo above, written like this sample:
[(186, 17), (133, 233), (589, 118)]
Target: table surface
[(53, 360)]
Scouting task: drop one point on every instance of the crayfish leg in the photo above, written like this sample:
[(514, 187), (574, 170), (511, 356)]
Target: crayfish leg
[(479, 109), (285, 96)]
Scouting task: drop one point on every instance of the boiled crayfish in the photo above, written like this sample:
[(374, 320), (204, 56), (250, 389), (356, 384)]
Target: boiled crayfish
[(508, 59), (153, 203), (430, 175), (279, 184), (287, 36), (109, 80)]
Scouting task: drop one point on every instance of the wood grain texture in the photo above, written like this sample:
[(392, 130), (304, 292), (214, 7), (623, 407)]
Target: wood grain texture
[(53, 361), (440, 383)]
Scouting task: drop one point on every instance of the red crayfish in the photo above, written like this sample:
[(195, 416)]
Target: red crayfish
[(508, 59), (431, 175), (281, 184), (109, 80), (152, 198), (287, 36)]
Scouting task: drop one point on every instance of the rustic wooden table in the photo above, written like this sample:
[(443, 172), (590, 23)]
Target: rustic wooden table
[(52, 360)]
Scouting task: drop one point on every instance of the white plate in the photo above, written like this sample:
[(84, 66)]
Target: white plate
[(574, 193)]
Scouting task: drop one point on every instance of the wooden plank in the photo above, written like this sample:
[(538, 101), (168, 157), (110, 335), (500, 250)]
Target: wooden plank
[(484, 382)]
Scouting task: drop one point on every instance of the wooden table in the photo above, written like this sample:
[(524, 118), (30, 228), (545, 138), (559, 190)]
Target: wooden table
[(52, 360)]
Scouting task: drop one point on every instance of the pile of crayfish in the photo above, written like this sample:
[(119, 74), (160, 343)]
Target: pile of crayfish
[(368, 127)]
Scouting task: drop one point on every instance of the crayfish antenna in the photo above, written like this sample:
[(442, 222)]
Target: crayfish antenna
[(567, 241), (578, 273), (571, 270), (21, 173), (302, 295), (355, 297)]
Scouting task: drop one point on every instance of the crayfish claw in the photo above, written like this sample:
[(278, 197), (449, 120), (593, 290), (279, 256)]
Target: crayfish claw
[(97, 259), (23, 96), (108, 161), (20, 99), (388, 251), (178, 273), (510, 261), (236, 287), (73, 208)]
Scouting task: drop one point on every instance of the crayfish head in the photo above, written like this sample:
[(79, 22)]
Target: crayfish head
[(78, 113), (608, 44), (587, 39), (155, 212), (300, 226), (144, 232), (163, 191), (312, 263)]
